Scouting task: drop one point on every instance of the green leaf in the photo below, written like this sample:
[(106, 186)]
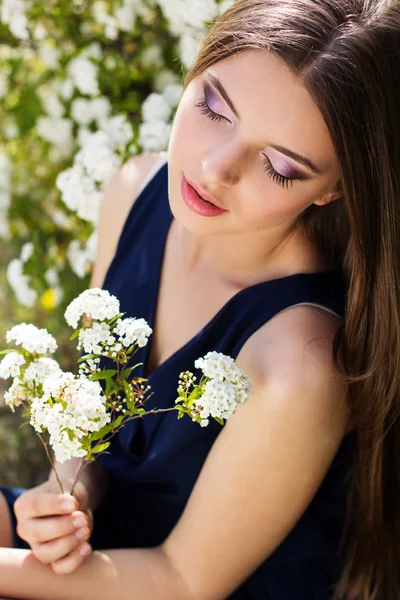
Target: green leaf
[(101, 433), (220, 421), (8, 351), (117, 422), (100, 447), (105, 374), (139, 411), (110, 384), (115, 319), (75, 334), (126, 372)]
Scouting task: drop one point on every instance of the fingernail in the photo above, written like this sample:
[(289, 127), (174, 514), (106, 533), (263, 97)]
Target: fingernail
[(68, 505), (79, 522), (85, 549), (81, 534)]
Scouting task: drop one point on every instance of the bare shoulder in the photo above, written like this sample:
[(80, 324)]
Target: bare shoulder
[(270, 458), (119, 195), (294, 350)]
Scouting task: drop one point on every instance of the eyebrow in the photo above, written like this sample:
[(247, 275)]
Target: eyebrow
[(297, 157)]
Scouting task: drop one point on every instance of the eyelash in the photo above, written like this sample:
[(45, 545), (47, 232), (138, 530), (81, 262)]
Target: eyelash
[(274, 175)]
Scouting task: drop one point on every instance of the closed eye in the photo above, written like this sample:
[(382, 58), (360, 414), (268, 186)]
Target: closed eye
[(274, 175)]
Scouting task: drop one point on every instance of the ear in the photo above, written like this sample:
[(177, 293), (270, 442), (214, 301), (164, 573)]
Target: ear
[(327, 198)]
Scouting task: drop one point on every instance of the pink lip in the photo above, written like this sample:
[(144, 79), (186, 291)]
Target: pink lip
[(204, 194), (196, 203)]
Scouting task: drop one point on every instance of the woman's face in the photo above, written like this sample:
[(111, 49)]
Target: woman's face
[(242, 159)]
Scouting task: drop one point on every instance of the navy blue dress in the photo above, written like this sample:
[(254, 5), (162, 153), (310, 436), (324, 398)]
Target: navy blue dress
[(153, 463)]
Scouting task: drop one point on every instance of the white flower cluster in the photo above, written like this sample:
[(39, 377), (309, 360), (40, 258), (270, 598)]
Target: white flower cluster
[(11, 365), (131, 331), (187, 20), (83, 73), (12, 13), (123, 18), (32, 338), (95, 303), (155, 130), (19, 282), (5, 189), (83, 184), (81, 257), (99, 337), (227, 386), (69, 409), (26, 380)]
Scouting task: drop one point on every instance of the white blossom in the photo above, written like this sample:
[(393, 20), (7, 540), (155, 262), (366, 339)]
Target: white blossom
[(118, 129), (83, 73), (155, 108), (11, 365), (5, 192), (125, 15), (12, 13), (49, 55), (227, 386), (26, 251), (20, 283), (51, 102), (154, 136), (131, 330), (93, 51), (110, 23), (185, 14), (38, 371), (70, 408), (95, 303), (32, 338), (94, 339), (164, 78), (172, 94), (58, 132), (80, 257), (189, 46), (16, 394), (79, 192), (39, 32), (152, 56), (66, 88), (225, 4)]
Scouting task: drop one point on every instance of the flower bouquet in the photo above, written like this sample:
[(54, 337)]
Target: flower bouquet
[(75, 414)]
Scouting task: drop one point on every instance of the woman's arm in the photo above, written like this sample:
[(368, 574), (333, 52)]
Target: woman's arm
[(259, 477), (114, 574)]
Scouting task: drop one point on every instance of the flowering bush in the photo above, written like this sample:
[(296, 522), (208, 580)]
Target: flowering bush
[(83, 85)]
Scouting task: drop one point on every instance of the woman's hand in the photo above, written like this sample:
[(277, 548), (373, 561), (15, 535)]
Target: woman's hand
[(56, 526)]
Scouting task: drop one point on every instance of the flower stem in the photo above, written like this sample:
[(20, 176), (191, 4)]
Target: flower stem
[(48, 454), (51, 462), (79, 470)]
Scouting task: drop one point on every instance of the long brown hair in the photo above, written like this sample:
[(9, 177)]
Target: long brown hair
[(347, 53)]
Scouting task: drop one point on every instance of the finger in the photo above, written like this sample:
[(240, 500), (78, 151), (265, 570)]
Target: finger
[(60, 548), (71, 562), (43, 504), (90, 519), (45, 529), (81, 495)]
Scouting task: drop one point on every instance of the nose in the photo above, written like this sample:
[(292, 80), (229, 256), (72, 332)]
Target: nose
[(222, 167)]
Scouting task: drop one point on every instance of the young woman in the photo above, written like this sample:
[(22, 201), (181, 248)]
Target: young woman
[(289, 130)]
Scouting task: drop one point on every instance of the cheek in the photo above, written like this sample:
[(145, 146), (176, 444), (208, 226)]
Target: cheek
[(270, 206)]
